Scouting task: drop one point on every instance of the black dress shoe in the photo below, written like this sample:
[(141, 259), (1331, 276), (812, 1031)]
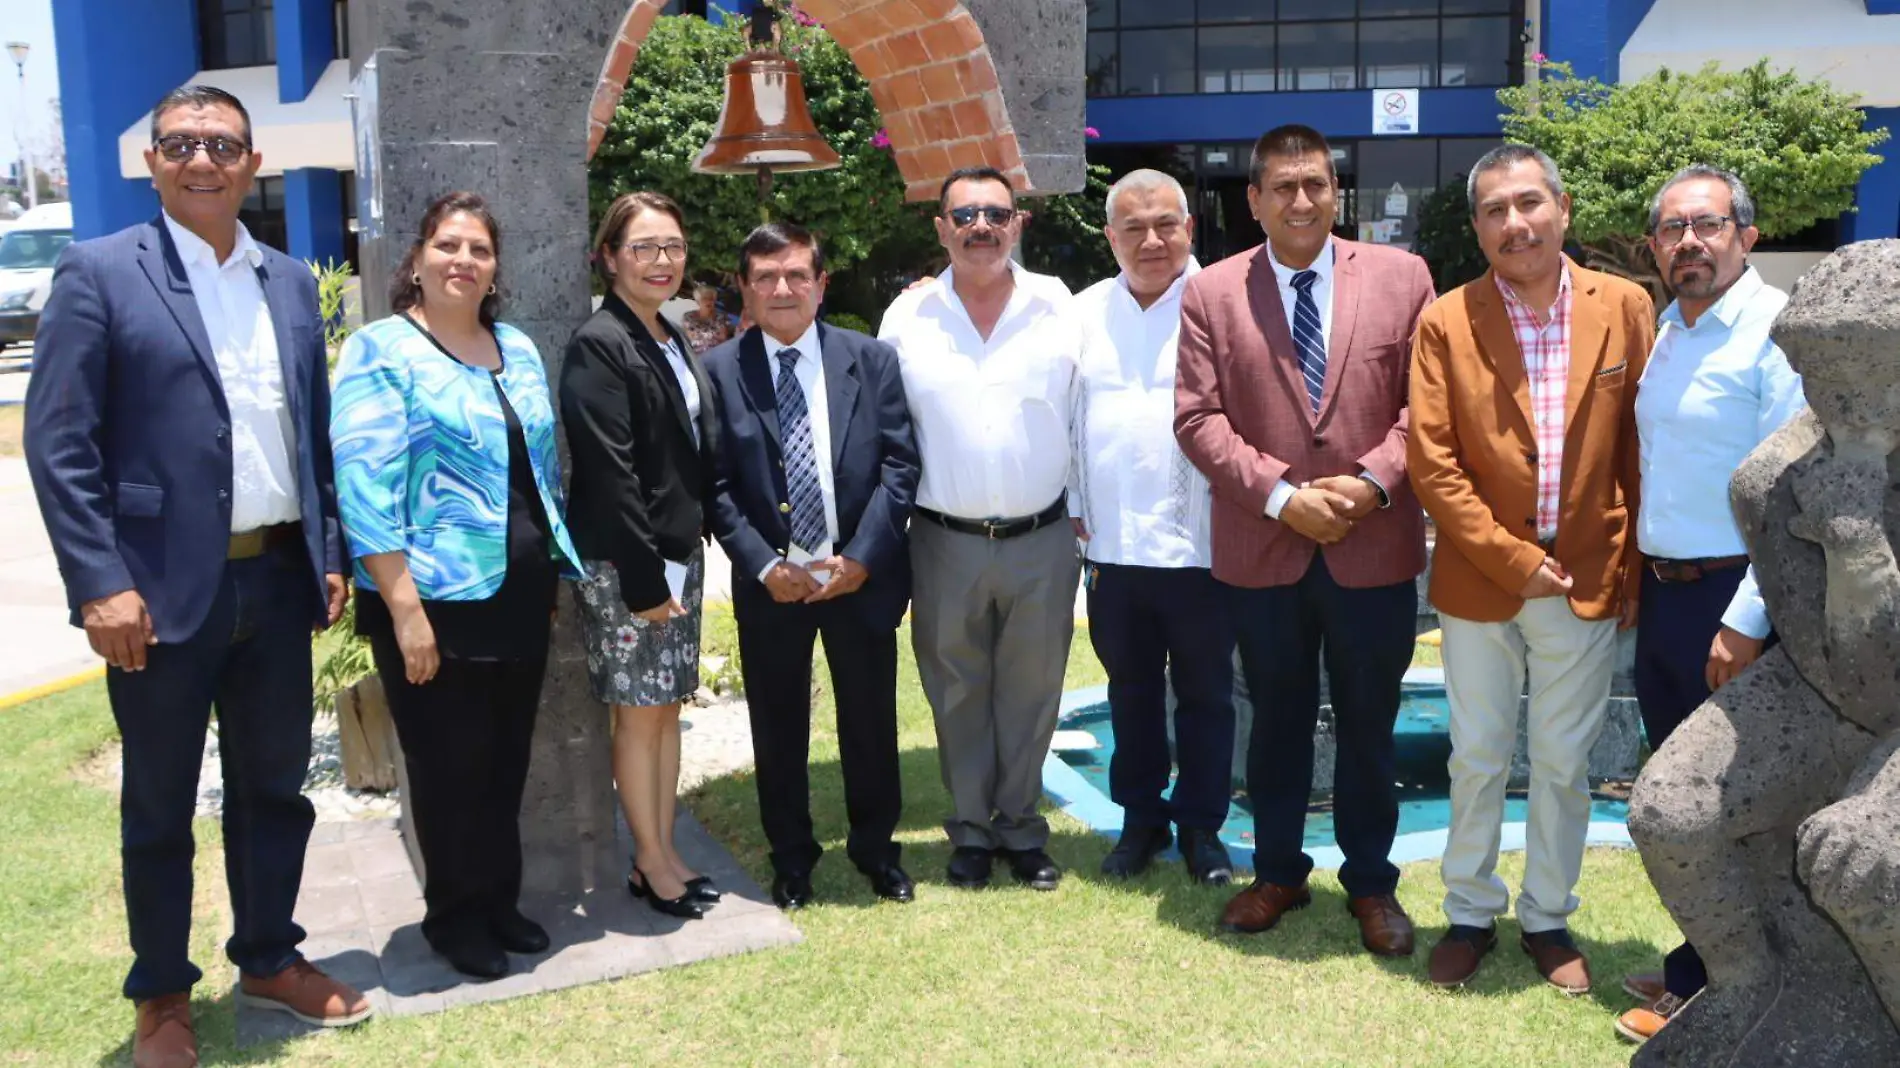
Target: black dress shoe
[(700, 888), (791, 891), (683, 906), (517, 933), (1135, 850), (891, 883), (970, 868), (1206, 857), (1034, 867), (475, 955)]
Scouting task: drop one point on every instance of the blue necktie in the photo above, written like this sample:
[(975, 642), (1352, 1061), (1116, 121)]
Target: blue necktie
[(801, 461), (1308, 336)]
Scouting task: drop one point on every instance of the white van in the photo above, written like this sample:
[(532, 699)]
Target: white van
[(28, 252)]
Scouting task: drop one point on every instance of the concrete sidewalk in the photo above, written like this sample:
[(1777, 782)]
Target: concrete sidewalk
[(40, 646)]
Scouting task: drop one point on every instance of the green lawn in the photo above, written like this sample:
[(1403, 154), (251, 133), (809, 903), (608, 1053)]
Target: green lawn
[(1093, 974)]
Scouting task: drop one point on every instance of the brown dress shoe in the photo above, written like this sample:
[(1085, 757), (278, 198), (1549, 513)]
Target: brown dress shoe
[(1644, 986), (1384, 928), (1456, 957), (164, 1038), (1639, 1025), (306, 993), (1261, 905), (1558, 960)]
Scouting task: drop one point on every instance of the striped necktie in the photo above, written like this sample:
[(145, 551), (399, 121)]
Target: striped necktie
[(1308, 337), (801, 460)]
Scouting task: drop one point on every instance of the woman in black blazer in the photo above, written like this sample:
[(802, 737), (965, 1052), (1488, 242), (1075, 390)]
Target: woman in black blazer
[(642, 444)]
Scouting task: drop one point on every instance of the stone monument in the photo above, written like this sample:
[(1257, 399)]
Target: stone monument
[(1768, 821)]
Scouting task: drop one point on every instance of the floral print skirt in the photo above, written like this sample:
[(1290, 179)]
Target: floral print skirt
[(629, 660)]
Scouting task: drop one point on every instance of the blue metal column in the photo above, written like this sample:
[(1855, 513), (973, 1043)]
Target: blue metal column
[(1878, 198), (306, 43), (313, 215), (116, 58), (1590, 34)]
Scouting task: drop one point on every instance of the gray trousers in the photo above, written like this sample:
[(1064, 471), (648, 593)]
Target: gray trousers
[(991, 623)]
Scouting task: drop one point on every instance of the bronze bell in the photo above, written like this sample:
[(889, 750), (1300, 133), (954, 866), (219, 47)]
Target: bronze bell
[(764, 124)]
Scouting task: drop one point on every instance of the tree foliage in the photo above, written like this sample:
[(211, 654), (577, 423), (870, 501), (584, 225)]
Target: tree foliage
[(1797, 144), (1445, 237)]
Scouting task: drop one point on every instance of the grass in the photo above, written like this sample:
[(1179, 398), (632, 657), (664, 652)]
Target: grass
[(12, 429), (1094, 974)]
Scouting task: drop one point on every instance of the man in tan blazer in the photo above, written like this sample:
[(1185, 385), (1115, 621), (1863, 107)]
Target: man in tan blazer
[(1523, 451), (1290, 396)]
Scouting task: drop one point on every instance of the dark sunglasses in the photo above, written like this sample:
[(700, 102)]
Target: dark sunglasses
[(180, 148), (994, 216)]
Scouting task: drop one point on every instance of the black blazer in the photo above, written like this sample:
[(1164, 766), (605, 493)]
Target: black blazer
[(873, 461), (639, 482)]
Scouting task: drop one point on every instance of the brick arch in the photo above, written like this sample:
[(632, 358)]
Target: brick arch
[(930, 73)]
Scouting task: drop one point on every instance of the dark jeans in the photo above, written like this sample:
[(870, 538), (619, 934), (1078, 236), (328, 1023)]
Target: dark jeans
[(466, 736), (1676, 623), (1365, 638), (775, 647), (250, 659), (1153, 627)]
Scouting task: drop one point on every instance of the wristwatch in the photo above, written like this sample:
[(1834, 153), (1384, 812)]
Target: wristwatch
[(1385, 501)]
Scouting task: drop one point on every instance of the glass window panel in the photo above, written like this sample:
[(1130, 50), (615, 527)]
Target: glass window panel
[(1154, 62), (1477, 7), (1457, 154), (1477, 52), (1386, 8), (1298, 10), (1237, 59), (1409, 162), (1398, 53), (1101, 14), (1236, 11), (1101, 64), (1318, 56), (1156, 13)]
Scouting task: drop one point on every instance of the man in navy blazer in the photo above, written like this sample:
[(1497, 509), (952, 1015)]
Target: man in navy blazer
[(813, 488), (177, 437)]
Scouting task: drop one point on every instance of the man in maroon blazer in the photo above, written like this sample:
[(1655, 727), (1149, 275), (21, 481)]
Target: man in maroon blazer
[(1290, 396)]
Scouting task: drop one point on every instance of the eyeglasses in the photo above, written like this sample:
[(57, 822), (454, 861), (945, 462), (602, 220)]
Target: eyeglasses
[(796, 281), (1706, 227), (998, 217), (180, 148), (650, 251)]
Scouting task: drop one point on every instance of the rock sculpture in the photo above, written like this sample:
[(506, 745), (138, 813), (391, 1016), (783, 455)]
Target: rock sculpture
[(1768, 821)]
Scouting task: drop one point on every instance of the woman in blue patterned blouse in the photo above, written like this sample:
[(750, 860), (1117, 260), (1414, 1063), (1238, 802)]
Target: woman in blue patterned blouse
[(450, 491)]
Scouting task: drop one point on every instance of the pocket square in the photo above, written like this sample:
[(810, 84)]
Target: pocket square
[(1607, 371)]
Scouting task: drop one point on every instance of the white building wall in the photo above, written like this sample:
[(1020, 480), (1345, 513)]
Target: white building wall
[(1832, 39)]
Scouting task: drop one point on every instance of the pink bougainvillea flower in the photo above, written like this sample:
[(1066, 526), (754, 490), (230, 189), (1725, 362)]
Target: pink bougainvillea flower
[(881, 139), (1090, 131), (1540, 58)]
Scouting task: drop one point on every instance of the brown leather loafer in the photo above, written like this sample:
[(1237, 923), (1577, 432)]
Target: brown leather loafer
[(1558, 960), (1644, 986), (1456, 957), (1261, 905), (306, 993), (1384, 928), (164, 1038), (1640, 1024)]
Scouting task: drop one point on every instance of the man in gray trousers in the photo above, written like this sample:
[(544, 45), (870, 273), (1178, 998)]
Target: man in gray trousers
[(988, 353)]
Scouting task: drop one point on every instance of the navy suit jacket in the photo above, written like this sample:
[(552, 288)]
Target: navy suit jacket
[(128, 437), (873, 461)]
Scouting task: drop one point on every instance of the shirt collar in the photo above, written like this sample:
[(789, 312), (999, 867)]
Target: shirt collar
[(1322, 265), (1563, 288), (1173, 293), (195, 249), (807, 344), (1728, 308)]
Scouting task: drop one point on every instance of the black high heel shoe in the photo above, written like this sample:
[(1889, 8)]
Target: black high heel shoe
[(700, 888), (683, 906)]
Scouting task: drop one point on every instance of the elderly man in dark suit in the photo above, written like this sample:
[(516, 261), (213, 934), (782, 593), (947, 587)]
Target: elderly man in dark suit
[(1291, 397), (178, 438), (813, 489)]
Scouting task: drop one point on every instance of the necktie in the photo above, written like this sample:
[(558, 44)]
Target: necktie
[(801, 461), (1308, 337)]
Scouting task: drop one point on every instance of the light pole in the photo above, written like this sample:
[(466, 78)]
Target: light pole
[(18, 50)]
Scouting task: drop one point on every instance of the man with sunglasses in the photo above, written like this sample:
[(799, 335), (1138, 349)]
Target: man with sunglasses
[(988, 352), (178, 438), (1715, 387)]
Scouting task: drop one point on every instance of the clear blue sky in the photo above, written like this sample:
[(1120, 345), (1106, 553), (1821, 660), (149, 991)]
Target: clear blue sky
[(30, 21)]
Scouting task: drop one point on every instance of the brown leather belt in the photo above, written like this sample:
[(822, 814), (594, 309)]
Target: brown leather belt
[(250, 544), (997, 529), (1691, 570)]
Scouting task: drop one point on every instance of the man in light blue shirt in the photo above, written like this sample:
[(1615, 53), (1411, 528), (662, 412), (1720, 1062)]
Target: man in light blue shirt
[(1714, 388)]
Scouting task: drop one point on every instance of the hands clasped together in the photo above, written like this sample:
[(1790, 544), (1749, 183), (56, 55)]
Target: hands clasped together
[(1325, 509)]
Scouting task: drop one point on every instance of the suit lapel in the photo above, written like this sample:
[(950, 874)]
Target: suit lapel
[(1589, 329), (1345, 317), (278, 299), (652, 350), (841, 389), (1263, 296), (756, 379), (1497, 343), (166, 269)]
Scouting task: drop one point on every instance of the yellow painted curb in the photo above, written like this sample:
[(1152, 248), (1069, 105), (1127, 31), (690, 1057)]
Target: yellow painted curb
[(1432, 637), (48, 689)]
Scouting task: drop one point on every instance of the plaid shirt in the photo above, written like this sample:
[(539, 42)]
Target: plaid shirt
[(1546, 352)]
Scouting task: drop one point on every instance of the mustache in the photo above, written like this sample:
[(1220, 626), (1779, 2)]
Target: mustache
[(975, 240)]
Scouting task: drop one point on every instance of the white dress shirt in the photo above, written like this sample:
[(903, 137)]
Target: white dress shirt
[(809, 373), (237, 319), (1711, 393), (1323, 301), (991, 417), (689, 384), (1142, 502)]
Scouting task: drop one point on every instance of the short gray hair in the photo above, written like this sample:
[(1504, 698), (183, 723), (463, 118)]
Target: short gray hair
[(1144, 181), (1509, 155), (1741, 205)]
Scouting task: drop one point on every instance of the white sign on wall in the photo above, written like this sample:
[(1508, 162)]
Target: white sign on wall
[(1394, 111), (1396, 202)]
